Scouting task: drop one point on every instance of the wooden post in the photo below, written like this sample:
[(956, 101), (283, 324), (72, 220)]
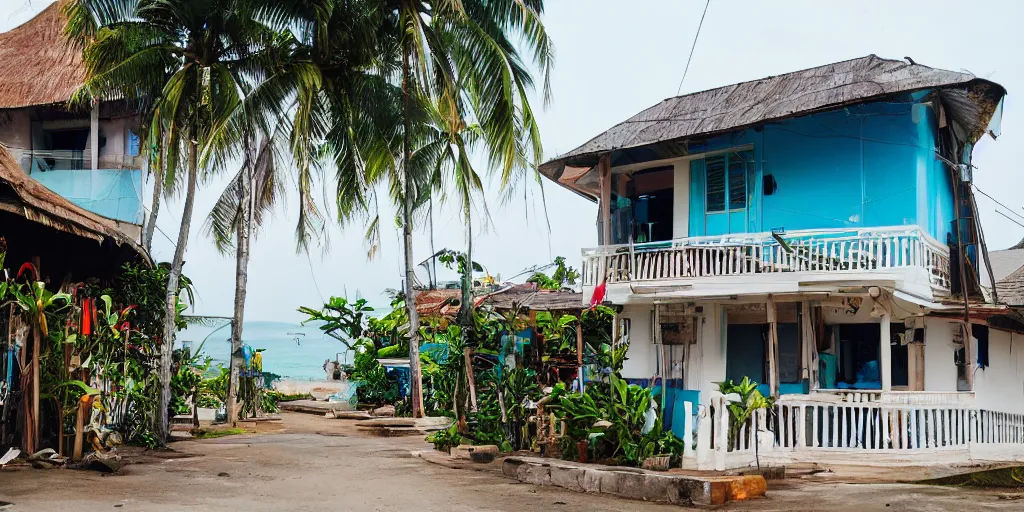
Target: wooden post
[(604, 172), (808, 346), (885, 353), (84, 404), (467, 353), (94, 135), (968, 356), (773, 347)]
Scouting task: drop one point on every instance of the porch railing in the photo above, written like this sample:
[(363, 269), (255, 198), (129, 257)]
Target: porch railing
[(801, 430), (829, 250), (960, 398)]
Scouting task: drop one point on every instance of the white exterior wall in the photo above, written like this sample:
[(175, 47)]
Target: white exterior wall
[(640, 358), (704, 363), (681, 200), (1000, 386), (939, 365)]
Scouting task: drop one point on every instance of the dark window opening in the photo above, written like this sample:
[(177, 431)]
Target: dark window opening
[(643, 206), (980, 333), (859, 365)]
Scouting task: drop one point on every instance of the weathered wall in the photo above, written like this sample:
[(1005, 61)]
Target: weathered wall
[(864, 166), (640, 358), (1000, 386), (15, 128), (939, 366)]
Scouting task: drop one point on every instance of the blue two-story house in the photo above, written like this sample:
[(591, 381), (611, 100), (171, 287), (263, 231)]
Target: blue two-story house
[(812, 231)]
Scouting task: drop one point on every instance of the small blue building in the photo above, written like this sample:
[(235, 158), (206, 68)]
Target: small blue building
[(813, 231)]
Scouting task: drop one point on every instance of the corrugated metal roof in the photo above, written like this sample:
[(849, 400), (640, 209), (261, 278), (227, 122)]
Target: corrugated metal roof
[(780, 97)]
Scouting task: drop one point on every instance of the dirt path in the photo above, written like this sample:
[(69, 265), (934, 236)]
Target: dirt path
[(321, 464)]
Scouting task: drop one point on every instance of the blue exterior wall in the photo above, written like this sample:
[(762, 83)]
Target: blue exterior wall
[(867, 165), (112, 193)]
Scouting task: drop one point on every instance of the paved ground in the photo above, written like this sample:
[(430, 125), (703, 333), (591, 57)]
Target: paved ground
[(321, 464)]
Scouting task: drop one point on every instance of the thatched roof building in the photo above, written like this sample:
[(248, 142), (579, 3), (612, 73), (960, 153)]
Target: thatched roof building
[(39, 67), (664, 130), (76, 241)]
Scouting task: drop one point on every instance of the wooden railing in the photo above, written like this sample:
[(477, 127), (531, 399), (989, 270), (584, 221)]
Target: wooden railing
[(890, 431), (845, 250), (958, 398)]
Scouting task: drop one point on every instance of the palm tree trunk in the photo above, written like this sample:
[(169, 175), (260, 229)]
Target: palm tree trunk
[(167, 347), (154, 209), (466, 311), (244, 233), (415, 377)]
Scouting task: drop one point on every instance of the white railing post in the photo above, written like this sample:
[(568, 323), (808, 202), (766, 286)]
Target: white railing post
[(688, 429)]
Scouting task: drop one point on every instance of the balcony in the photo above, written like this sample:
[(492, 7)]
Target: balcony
[(113, 191), (771, 262)]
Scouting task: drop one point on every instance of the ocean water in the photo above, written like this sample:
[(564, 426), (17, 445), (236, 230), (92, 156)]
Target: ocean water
[(291, 350)]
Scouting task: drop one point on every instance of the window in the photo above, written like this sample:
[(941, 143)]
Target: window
[(716, 183), (726, 176)]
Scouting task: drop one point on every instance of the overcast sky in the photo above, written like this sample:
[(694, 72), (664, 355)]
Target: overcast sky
[(614, 59)]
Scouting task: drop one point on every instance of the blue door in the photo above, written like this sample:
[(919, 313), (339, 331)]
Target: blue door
[(720, 190)]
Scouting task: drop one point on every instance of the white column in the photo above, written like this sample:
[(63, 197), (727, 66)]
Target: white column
[(885, 353), (94, 135), (604, 173)]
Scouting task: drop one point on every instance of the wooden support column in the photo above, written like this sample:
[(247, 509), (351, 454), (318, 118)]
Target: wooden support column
[(885, 353), (604, 172), (808, 347), (94, 135), (968, 356), (773, 347)]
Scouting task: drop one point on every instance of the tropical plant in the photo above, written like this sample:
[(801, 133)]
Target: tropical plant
[(445, 440), (563, 276), (189, 63), (559, 332), (745, 400), (375, 385), (340, 319)]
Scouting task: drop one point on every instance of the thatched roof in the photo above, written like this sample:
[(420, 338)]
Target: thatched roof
[(969, 101), (526, 296), (1011, 288), (39, 68), (26, 197), (529, 298)]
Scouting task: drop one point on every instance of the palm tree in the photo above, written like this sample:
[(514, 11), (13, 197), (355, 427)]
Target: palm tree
[(465, 54), (240, 211), (192, 53)]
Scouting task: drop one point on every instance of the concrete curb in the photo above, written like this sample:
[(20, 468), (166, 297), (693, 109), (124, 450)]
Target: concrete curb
[(633, 483)]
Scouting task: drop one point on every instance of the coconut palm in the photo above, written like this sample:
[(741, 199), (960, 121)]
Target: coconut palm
[(464, 54), (192, 52)]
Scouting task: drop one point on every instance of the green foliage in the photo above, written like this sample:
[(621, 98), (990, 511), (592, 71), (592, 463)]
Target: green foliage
[(221, 432), (375, 386), (456, 260), (393, 351), (563, 277), (444, 376), (749, 401), (340, 319), (559, 333), (444, 440)]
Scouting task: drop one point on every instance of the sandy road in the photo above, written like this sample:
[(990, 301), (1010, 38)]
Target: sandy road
[(321, 464)]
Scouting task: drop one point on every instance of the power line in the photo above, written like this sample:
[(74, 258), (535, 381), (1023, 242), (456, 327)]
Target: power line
[(693, 47), (313, 276), (997, 202)]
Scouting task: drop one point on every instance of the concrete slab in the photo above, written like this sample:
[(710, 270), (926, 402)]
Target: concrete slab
[(632, 483)]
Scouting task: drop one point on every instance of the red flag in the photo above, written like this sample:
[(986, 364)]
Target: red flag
[(598, 296)]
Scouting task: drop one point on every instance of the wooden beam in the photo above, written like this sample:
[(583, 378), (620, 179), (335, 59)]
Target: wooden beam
[(604, 172), (773, 348), (885, 352), (94, 135)]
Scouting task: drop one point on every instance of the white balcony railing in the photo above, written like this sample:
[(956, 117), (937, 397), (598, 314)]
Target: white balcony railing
[(826, 250)]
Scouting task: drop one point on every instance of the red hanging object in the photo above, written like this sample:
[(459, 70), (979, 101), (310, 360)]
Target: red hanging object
[(86, 316), (598, 296)]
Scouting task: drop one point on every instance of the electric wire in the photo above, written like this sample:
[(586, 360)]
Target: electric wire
[(693, 47)]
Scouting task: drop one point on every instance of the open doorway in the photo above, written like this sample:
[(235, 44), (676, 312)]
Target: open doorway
[(857, 352), (643, 209)]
